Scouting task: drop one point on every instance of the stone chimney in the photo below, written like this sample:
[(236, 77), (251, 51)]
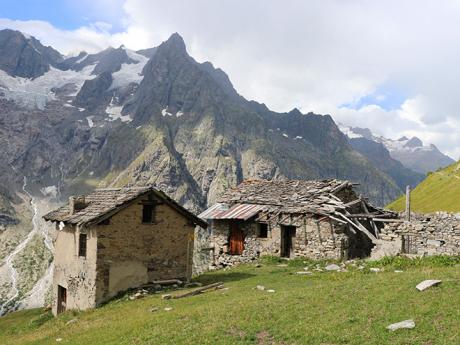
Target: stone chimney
[(76, 203)]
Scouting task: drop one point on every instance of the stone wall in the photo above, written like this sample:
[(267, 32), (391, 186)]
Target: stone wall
[(436, 234), (122, 254), (131, 253), (314, 238), (72, 272)]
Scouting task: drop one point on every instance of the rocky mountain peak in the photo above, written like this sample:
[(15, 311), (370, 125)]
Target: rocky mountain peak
[(175, 43), (295, 111), (414, 142), (24, 56)]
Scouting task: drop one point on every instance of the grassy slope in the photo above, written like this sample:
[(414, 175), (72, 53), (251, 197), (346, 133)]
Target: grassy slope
[(440, 191), (325, 308)]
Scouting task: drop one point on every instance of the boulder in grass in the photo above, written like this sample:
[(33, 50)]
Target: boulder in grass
[(427, 284), (407, 324), (260, 287), (332, 267)]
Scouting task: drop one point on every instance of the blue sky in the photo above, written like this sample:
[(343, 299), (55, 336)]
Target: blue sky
[(386, 96), (65, 14)]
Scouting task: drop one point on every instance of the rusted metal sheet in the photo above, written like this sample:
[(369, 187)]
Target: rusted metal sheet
[(238, 211), (213, 211)]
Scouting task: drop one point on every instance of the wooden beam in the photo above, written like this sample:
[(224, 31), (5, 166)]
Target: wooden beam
[(408, 203), (374, 226), (385, 220), (198, 290)]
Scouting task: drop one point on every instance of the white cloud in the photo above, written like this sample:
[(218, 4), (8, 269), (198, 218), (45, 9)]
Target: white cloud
[(314, 55)]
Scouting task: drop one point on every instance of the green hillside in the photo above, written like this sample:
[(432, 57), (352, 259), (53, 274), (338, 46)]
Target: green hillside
[(440, 191), (353, 306)]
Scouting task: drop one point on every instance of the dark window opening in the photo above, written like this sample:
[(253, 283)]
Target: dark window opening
[(148, 214), (82, 245), (262, 230)]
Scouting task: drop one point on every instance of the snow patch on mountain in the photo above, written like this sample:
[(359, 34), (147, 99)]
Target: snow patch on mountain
[(412, 153), (129, 73), (35, 93), (348, 131)]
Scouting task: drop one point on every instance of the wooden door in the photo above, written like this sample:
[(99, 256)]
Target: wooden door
[(287, 241), (62, 299), (236, 240)]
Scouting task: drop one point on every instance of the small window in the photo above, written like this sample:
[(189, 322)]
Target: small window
[(148, 215), (82, 245), (262, 230)]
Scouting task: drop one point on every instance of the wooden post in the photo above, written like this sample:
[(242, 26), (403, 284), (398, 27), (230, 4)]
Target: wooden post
[(408, 203)]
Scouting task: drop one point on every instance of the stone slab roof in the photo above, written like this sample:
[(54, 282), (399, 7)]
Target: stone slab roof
[(293, 195), (108, 201)]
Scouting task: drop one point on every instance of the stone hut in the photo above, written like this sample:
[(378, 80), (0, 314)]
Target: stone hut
[(314, 219), (115, 239)]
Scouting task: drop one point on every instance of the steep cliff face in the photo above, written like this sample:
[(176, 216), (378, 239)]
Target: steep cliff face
[(25, 56), (152, 117)]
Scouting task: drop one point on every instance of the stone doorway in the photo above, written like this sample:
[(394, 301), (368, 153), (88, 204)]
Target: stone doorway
[(236, 240), (62, 299), (287, 241)]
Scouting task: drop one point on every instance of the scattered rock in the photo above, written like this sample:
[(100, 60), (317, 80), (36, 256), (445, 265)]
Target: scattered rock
[(258, 265), (361, 267), (303, 273), (332, 267), (374, 269), (71, 321), (270, 290), (409, 324), (58, 339), (166, 296), (154, 309), (168, 309), (398, 271), (427, 284), (260, 287)]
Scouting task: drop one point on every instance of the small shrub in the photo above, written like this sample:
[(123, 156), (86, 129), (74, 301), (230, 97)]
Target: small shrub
[(41, 319)]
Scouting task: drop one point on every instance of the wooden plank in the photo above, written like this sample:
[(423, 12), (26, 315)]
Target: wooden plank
[(374, 226), (198, 290), (385, 220), (408, 203), (360, 227)]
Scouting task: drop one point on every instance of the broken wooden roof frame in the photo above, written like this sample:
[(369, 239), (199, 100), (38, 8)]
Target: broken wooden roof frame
[(295, 197)]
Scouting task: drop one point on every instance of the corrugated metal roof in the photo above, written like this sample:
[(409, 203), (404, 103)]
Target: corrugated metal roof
[(238, 211), (213, 211)]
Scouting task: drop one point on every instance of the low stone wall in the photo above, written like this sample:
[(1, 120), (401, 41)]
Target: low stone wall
[(435, 234)]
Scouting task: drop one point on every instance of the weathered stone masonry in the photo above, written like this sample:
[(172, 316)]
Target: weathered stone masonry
[(115, 239), (435, 234)]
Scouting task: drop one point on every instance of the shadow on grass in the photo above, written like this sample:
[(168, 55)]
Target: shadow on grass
[(224, 277)]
